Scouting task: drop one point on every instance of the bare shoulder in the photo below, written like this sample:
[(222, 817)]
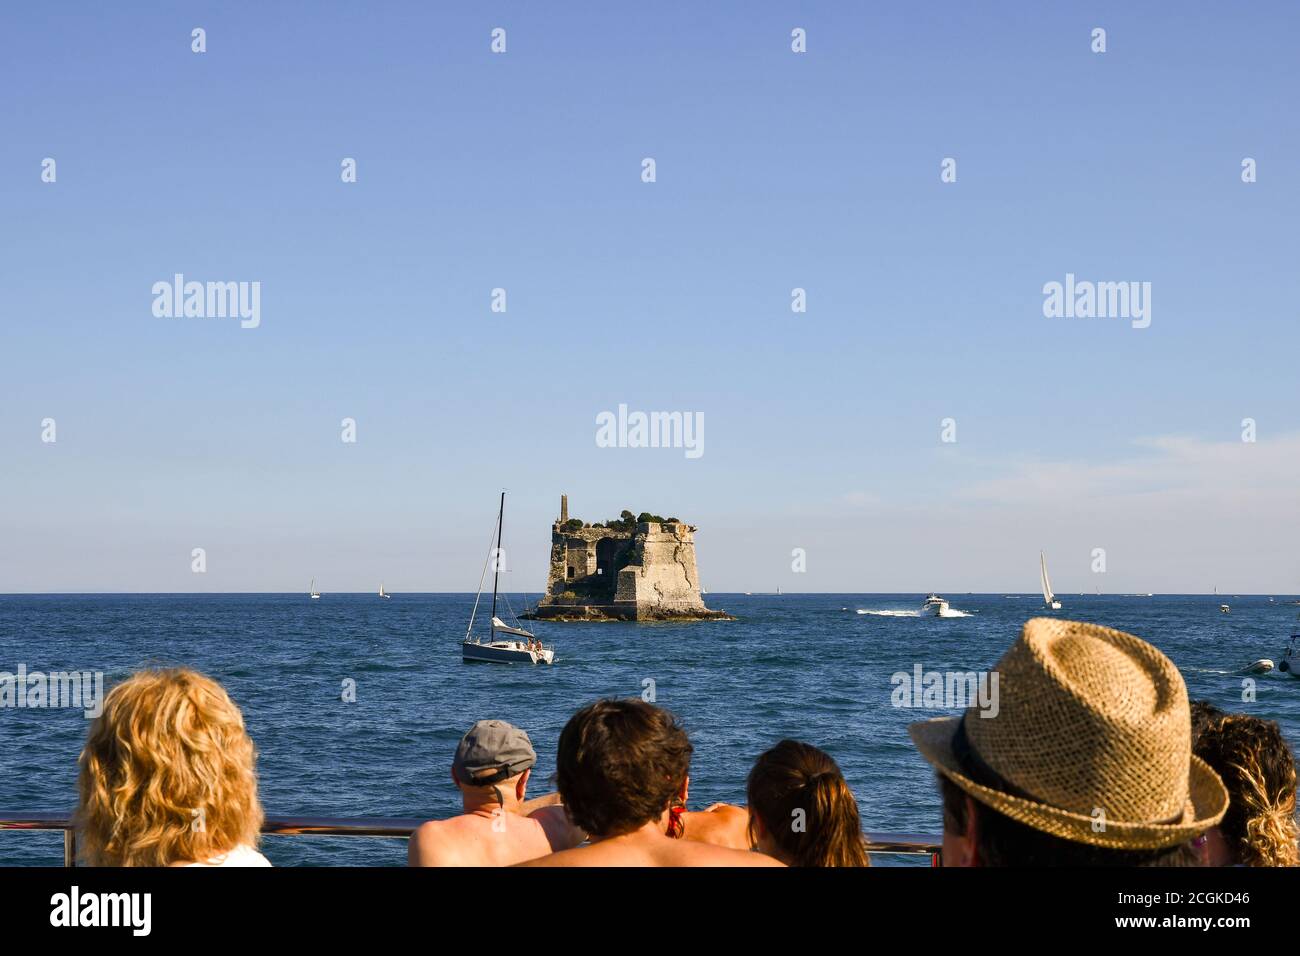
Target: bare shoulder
[(704, 854), (574, 857), (561, 832), (722, 825), (425, 844), (435, 843)]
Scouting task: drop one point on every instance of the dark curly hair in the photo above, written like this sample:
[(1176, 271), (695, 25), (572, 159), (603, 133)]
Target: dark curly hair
[(1203, 715), (620, 764), (1256, 765)]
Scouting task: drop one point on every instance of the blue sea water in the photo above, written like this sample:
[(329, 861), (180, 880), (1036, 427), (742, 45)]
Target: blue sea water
[(804, 666)]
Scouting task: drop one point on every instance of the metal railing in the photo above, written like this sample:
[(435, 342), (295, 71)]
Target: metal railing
[(912, 844)]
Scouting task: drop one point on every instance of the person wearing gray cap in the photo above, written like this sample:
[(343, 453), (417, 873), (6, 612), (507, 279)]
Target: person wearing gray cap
[(499, 826)]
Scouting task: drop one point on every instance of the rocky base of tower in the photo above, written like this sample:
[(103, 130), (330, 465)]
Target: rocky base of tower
[(614, 612)]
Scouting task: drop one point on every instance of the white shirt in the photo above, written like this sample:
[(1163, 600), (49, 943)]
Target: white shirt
[(242, 855)]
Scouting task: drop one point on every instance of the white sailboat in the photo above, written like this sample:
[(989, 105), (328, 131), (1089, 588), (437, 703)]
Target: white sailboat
[(1049, 599), (381, 591), (494, 650), (315, 595)]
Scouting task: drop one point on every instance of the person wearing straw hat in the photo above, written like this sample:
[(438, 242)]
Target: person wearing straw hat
[(499, 826), (1088, 761)]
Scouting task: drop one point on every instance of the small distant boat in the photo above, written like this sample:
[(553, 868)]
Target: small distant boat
[(934, 606), (1049, 599), (382, 594), (1290, 665), (1224, 609), (494, 651), (315, 595), (1261, 666)]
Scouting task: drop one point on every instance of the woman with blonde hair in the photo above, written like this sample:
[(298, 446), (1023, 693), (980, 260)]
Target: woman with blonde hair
[(168, 777), (1256, 765)]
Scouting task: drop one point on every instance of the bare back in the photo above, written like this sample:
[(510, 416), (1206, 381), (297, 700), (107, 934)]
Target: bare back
[(501, 839), (653, 850)]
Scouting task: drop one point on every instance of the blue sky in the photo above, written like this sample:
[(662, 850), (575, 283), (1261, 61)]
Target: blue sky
[(775, 170)]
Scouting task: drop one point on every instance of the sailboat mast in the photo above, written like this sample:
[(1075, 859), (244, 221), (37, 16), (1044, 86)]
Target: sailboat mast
[(496, 564)]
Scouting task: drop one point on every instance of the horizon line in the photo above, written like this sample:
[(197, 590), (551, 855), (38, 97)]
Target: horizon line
[(706, 594)]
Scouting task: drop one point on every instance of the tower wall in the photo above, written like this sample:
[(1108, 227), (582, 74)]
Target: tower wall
[(644, 574)]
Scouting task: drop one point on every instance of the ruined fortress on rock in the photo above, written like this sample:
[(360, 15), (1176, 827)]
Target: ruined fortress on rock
[(625, 570)]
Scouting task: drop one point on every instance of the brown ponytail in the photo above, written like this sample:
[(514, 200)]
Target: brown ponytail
[(806, 806)]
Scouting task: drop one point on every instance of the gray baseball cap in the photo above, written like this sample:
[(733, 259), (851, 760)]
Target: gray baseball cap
[(492, 745)]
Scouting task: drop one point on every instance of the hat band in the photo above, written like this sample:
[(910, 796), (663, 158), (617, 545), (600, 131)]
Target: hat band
[(503, 772)]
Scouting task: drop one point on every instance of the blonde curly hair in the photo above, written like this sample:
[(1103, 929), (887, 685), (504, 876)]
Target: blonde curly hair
[(1256, 765), (168, 774)]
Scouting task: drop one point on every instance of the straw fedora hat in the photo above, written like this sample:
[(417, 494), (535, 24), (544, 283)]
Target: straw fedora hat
[(1091, 742)]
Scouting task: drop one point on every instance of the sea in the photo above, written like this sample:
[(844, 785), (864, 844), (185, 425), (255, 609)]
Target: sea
[(815, 667)]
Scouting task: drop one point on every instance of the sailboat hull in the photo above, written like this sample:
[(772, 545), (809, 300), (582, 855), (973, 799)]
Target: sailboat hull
[(503, 652)]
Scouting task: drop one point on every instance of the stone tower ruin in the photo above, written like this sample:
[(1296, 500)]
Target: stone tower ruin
[(626, 571)]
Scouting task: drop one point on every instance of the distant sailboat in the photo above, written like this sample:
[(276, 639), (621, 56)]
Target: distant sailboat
[(1049, 599), (315, 595), (494, 651), (381, 591)]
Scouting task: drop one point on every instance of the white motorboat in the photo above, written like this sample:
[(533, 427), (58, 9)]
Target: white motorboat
[(494, 650), (934, 606)]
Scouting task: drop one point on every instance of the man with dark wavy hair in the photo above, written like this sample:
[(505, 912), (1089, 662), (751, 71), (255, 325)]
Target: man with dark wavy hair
[(622, 768)]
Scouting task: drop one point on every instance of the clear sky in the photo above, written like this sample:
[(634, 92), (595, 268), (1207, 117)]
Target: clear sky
[(775, 170)]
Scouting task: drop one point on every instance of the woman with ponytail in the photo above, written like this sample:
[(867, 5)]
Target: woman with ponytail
[(800, 811), (1256, 765)]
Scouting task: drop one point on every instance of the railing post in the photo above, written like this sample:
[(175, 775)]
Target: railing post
[(69, 847)]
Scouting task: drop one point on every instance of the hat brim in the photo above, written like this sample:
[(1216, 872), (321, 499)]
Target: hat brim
[(1206, 794)]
